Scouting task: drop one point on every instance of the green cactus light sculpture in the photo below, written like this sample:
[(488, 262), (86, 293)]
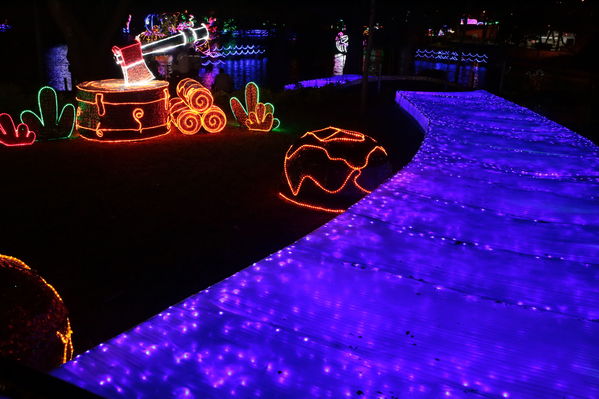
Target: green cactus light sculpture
[(50, 124), (256, 115)]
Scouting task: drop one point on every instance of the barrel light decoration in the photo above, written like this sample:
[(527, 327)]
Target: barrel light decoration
[(194, 108), (36, 330), (111, 111), (331, 168)]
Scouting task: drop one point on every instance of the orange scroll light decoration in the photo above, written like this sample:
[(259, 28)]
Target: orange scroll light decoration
[(110, 111), (194, 109), (332, 166)]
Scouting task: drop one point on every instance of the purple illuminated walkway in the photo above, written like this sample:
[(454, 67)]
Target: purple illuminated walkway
[(471, 273)]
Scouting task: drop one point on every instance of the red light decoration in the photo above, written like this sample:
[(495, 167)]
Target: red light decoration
[(194, 109), (330, 168), (11, 135), (258, 116), (35, 328), (110, 111)]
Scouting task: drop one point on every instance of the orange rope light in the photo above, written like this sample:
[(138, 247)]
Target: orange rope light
[(194, 109), (314, 207), (354, 170), (339, 148), (110, 111)]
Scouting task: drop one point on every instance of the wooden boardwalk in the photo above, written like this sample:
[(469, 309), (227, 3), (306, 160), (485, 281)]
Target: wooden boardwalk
[(473, 272)]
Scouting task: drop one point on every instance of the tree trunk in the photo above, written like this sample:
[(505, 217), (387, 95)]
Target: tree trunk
[(89, 43), (366, 63)]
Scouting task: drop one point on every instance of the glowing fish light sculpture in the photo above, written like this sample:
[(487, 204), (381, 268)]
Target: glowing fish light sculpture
[(194, 109), (470, 273), (330, 168), (35, 328), (256, 115)]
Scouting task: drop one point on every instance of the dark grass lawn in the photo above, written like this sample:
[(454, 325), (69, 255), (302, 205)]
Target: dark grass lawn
[(125, 230)]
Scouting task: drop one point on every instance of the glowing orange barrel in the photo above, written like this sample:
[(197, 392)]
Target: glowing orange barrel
[(107, 110)]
